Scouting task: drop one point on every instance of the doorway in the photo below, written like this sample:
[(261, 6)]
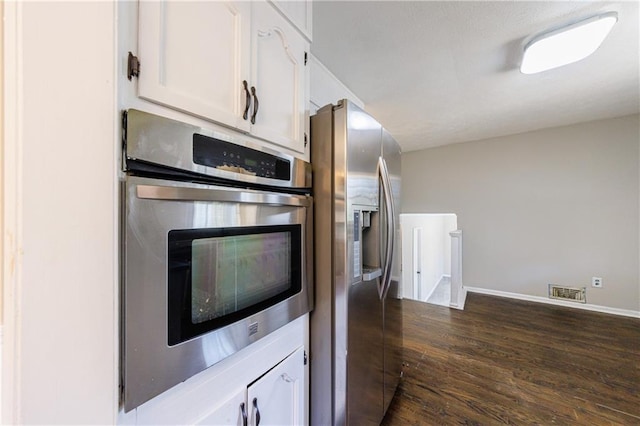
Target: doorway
[(427, 257)]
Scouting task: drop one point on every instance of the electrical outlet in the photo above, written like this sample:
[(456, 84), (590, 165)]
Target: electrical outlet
[(596, 282)]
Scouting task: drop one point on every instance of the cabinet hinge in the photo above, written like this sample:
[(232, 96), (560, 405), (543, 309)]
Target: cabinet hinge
[(124, 129), (305, 140), (133, 66), (305, 357), (305, 58), (124, 140)]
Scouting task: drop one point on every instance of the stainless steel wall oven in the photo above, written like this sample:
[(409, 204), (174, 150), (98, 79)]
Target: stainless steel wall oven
[(216, 249)]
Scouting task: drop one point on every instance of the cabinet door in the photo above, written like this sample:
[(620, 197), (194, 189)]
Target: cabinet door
[(194, 57), (279, 394), (230, 412), (280, 76), (299, 13)]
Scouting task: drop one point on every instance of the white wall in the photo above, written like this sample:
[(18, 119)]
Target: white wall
[(1, 161), (553, 206), (60, 200), (1, 189)]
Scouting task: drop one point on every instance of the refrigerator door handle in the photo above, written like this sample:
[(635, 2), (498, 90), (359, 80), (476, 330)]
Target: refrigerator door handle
[(390, 227)]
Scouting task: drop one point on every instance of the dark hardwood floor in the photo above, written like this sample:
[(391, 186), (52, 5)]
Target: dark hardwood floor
[(505, 361)]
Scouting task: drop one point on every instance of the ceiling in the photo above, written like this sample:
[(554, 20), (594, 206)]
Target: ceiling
[(442, 72)]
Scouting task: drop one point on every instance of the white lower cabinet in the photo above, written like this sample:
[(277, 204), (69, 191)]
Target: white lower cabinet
[(277, 398), (242, 396), (228, 412)]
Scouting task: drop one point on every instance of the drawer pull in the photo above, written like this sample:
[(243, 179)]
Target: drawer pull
[(255, 405), (256, 104), (243, 410), (248, 100)]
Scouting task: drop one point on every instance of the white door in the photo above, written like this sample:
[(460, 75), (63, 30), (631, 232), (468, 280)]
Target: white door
[(417, 264), (194, 57), (278, 397), (279, 76)]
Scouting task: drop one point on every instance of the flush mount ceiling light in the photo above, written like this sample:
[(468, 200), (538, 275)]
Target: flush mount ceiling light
[(567, 44)]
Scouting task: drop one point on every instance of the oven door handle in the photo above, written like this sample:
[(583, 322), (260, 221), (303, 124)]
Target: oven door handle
[(172, 193)]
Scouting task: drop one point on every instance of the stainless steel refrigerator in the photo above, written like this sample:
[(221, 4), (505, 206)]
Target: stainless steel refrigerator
[(356, 326)]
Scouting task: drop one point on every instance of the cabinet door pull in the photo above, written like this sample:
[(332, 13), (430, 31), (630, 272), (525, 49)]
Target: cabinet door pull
[(255, 405), (255, 105), (243, 410), (248, 99)]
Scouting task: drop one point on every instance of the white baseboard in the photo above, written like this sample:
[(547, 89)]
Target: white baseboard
[(538, 299)]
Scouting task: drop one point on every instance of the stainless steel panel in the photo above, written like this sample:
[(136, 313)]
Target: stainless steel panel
[(366, 363), (393, 157), (150, 366), (342, 264), (321, 324), (364, 147), (167, 142), (347, 324), (393, 338), (393, 341), (229, 195), (359, 136)]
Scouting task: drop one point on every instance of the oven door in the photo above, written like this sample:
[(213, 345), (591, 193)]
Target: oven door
[(207, 271)]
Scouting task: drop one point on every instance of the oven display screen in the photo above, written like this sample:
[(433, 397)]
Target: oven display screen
[(222, 155)]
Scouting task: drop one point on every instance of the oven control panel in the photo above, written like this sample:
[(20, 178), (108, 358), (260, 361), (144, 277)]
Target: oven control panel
[(223, 155)]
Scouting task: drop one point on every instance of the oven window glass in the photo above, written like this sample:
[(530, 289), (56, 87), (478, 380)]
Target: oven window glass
[(232, 273), (221, 275)]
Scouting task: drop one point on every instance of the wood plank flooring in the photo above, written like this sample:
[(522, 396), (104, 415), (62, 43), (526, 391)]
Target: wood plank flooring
[(505, 361)]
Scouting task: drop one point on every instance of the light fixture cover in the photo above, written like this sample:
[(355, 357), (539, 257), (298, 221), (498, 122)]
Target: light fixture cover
[(568, 44)]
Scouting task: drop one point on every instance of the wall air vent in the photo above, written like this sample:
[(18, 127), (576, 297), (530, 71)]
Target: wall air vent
[(568, 293)]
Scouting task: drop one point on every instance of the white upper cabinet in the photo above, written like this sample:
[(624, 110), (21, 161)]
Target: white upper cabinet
[(299, 13), (195, 56), (279, 75), (240, 64)]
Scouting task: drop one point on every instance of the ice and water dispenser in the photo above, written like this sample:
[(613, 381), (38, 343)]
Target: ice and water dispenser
[(366, 244)]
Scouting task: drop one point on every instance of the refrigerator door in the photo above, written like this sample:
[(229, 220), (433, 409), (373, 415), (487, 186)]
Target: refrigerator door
[(362, 147), (392, 304), (365, 355)]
